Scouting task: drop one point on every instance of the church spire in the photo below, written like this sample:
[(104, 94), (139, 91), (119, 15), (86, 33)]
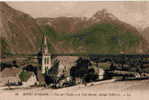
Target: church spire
[(45, 46), (46, 57)]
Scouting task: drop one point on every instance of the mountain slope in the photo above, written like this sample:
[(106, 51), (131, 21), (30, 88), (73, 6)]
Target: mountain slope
[(146, 34), (102, 33), (19, 32), (64, 24)]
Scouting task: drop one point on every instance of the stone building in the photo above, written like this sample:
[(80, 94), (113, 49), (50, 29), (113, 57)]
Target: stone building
[(65, 64)]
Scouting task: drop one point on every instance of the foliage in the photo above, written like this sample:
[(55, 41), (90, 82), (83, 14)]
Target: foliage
[(51, 76), (83, 70), (24, 76), (4, 46), (106, 38), (99, 38)]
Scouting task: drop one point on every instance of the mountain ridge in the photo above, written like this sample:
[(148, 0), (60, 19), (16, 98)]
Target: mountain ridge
[(20, 33), (17, 30), (63, 25)]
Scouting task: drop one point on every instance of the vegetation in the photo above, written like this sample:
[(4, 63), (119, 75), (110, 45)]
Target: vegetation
[(99, 38), (84, 70), (4, 46), (51, 34), (24, 76), (51, 75)]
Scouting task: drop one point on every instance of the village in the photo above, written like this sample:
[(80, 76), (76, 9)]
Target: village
[(55, 72), (45, 71)]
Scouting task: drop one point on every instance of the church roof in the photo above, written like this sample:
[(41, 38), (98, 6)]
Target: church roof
[(66, 60)]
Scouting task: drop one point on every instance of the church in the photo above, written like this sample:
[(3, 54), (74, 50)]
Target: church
[(47, 63), (46, 57)]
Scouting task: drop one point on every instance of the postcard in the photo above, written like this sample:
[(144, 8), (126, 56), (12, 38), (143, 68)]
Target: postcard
[(69, 50)]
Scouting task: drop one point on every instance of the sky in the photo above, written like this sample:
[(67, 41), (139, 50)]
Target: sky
[(134, 13)]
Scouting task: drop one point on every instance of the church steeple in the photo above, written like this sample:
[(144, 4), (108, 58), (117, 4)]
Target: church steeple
[(45, 46), (46, 57)]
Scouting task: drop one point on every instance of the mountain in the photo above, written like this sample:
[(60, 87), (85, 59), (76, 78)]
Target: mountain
[(146, 34), (64, 24), (19, 32), (101, 33), (75, 24)]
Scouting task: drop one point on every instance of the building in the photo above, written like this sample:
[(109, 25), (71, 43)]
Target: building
[(32, 80), (46, 57), (10, 76), (65, 64)]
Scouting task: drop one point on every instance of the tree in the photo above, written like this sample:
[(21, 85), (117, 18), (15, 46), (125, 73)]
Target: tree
[(82, 70), (24, 76)]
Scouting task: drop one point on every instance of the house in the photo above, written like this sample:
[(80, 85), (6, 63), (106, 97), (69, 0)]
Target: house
[(32, 80), (10, 76)]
